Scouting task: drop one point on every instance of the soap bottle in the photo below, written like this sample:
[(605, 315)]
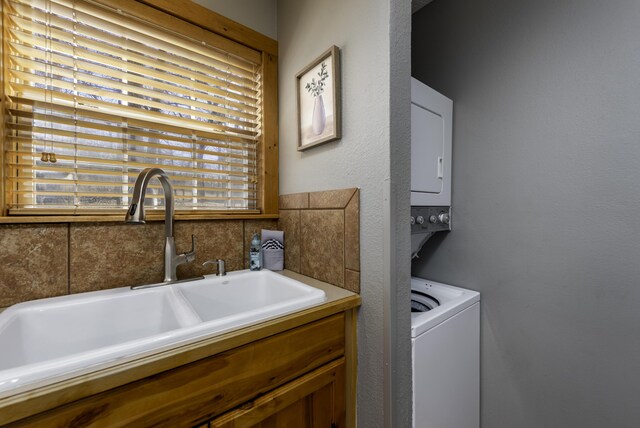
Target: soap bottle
[(255, 253)]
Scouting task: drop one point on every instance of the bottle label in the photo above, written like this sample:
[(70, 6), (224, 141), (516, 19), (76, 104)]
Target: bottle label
[(254, 260)]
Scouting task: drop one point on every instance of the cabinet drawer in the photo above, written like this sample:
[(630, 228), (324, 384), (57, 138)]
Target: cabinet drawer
[(196, 392), (315, 400)]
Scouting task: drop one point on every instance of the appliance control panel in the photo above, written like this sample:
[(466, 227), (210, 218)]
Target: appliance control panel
[(430, 219)]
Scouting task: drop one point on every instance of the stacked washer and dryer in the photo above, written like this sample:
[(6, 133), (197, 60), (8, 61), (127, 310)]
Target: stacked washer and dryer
[(445, 320)]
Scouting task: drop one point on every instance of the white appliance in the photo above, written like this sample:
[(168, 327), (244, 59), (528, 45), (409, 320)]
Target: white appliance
[(431, 149), (431, 146), (445, 337)]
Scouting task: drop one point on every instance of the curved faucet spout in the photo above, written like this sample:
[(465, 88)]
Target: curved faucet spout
[(135, 215)]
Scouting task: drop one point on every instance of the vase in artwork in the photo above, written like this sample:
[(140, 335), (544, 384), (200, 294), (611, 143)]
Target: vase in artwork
[(319, 119)]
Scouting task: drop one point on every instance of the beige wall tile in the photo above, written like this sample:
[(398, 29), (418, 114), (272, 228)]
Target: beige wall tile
[(109, 255), (352, 280), (251, 227), (294, 201), (331, 198), (116, 255), (322, 245), (352, 233), (220, 239), (289, 222), (33, 262)]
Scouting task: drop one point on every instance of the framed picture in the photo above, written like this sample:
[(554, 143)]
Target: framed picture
[(319, 103)]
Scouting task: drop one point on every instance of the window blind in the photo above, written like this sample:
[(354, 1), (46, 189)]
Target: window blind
[(94, 95)]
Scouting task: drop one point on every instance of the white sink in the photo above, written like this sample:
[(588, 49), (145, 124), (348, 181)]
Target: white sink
[(246, 294), (44, 339)]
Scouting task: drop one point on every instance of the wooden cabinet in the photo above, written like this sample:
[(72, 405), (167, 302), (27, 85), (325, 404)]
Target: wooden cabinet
[(316, 400), (296, 378)]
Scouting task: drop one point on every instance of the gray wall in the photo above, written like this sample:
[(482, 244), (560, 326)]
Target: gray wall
[(546, 201), (362, 158), (259, 15), (398, 312)]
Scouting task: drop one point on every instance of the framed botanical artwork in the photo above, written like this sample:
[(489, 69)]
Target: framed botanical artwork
[(319, 103)]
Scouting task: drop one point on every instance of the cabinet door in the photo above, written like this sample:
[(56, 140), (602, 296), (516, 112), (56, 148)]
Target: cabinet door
[(316, 400), (431, 135)]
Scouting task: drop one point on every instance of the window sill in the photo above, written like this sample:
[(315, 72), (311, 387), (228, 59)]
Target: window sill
[(120, 218)]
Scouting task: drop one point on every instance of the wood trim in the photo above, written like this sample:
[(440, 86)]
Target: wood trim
[(212, 21), (29, 403), (3, 113), (120, 218), (269, 164), (351, 363), (182, 24)]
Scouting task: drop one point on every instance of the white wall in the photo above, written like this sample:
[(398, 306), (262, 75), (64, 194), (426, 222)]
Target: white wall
[(259, 15), (546, 200), (362, 158)]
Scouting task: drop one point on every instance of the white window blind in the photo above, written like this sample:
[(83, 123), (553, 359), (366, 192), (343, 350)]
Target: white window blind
[(107, 94)]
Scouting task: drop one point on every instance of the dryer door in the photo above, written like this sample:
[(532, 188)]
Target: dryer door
[(431, 135)]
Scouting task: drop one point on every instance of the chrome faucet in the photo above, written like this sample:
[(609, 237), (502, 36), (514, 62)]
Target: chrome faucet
[(135, 215)]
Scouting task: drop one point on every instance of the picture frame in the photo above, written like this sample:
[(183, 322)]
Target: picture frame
[(319, 103)]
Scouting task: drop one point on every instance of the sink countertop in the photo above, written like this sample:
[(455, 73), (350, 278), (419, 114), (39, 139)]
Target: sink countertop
[(77, 385)]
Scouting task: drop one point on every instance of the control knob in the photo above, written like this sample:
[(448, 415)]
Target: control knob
[(420, 219), (444, 218)]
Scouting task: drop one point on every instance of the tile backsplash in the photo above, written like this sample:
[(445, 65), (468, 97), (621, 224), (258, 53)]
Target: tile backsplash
[(322, 235), (46, 260), (34, 262)]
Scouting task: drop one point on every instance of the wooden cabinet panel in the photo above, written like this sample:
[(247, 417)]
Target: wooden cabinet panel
[(315, 400), (191, 394)]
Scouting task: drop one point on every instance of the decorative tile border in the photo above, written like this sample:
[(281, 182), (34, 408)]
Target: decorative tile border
[(295, 201), (331, 198), (322, 235)]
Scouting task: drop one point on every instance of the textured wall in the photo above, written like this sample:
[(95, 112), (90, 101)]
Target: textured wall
[(363, 159), (399, 232), (259, 15), (546, 167)]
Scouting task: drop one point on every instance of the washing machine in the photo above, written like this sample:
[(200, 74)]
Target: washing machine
[(445, 337)]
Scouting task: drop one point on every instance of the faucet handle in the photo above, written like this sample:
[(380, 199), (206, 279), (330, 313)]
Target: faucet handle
[(219, 264), (191, 255)]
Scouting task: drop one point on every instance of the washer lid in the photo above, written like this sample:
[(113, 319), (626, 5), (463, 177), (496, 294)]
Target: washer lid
[(452, 301)]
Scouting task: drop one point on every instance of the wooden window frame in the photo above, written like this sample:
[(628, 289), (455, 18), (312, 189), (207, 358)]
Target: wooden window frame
[(206, 19)]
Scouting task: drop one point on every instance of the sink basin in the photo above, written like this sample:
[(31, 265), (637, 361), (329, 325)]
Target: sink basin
[(36, 332), (246, 294), (44, 339)]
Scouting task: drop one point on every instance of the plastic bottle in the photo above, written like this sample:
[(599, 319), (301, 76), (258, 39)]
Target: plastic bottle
[(255, 253)]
